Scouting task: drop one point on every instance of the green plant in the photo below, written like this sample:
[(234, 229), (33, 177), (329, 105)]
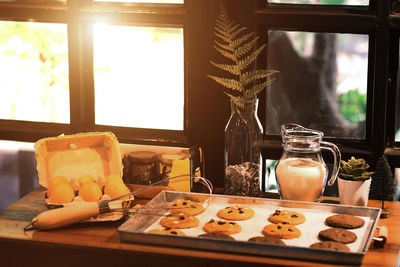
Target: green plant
[(353, 106), (239, 47), (354, 170)]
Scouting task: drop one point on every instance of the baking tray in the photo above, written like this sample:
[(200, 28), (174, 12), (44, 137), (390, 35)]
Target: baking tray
[(136, 227)]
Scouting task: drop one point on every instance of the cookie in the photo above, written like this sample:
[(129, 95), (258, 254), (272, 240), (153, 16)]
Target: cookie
[(281, 230), (267, 239), (217, 235), (179, 221), (287, 216), (167, 230), (332, 245), (186, 206), (346, 221), (338, 235), (222, 226), (235, 213)]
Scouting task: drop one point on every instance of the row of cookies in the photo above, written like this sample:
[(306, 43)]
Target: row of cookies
[(338, 234), (182, 215)]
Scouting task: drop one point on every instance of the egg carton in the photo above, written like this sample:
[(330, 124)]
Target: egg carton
[(96, 154)]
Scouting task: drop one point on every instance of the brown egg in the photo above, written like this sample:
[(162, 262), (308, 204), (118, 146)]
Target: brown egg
[(86, 178), (115, 189), (54, 182), (90, 191), (62, 193)]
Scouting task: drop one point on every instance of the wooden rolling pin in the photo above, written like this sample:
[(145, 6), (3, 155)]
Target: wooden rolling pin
[(81, 211), (60, 217)]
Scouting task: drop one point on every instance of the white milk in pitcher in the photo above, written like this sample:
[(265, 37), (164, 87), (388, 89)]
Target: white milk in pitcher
[(301, 179)]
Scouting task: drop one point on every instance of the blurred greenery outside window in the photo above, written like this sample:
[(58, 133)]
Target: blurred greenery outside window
[(329, 72), (34, 72), (35, 76)]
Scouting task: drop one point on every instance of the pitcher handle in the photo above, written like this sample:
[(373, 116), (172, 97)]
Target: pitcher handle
[(336, 160)]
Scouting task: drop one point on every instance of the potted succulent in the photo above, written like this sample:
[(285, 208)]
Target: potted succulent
[(354, 182)]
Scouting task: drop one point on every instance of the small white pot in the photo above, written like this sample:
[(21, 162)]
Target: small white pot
[(354, 192)]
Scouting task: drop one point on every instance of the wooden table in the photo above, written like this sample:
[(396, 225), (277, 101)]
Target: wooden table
[(98, 244)]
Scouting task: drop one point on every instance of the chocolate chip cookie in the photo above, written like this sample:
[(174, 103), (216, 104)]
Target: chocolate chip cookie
[(179, 221), (235, 213), (281, 230), (186, 206), (222, 226), (338, 235), (332, 245), (217, 235), (287, 216), (167, 230), (346, 221), (267, 239)]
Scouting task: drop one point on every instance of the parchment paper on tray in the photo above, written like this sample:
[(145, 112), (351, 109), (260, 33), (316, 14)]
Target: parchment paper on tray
[(137, 227)]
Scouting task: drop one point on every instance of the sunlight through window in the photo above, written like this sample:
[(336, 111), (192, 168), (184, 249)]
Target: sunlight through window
[(139, 77), (34, 72), (144, 1)]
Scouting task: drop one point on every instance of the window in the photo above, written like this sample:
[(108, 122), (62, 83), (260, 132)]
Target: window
[(69, 66), (323, 75), (127, 68), (324, 2), (358, 112), (34, 71), (144, 1), (108, 88), (139, 68)]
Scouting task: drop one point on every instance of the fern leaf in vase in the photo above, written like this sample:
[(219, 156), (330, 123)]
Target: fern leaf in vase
[(240, 49)]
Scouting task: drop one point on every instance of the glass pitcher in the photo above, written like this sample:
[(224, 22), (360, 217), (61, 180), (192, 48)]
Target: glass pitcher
[(301, 173)]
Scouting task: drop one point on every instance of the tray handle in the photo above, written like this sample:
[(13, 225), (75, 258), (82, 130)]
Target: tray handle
[(380, 240)]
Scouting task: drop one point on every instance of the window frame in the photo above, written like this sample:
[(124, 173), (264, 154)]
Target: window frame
[(207, 109), (371, 20), (79, 17)]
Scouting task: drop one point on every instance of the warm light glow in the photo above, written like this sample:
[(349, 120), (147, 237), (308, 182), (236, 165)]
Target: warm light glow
[(139, 76), (34, 72), (144, 1), (323, 2)]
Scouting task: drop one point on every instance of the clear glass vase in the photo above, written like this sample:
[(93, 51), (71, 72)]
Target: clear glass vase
[(243, 161)]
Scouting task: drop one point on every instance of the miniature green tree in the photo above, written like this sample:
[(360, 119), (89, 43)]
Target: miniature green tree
[(382, 185)]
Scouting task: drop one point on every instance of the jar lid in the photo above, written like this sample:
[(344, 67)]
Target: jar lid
[(170, 157), (142, 157)]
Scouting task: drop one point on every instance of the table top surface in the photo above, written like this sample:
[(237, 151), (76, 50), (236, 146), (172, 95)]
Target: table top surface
[(103, 239)]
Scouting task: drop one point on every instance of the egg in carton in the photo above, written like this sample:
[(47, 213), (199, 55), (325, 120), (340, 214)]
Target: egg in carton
[(80, 167)]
